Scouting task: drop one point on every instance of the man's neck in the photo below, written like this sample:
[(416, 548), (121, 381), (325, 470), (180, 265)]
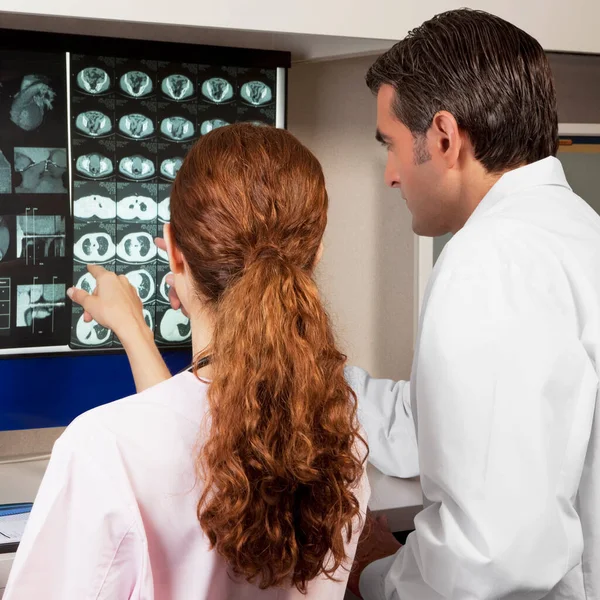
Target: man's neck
[(477, 183)]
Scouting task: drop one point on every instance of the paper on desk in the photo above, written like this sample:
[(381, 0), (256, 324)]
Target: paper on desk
[(12, 527)]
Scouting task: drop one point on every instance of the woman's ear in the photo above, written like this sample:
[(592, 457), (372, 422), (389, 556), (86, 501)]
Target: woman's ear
[(176, 261), (319, 254)]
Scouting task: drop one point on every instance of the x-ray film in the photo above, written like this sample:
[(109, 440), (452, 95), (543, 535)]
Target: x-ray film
[(90, 147)]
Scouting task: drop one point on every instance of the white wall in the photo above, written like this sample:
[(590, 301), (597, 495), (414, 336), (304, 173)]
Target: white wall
[(366, 274), (558, 25)]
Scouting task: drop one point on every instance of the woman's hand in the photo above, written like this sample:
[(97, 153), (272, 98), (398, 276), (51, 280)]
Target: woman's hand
[(115, 304), (173, 297)]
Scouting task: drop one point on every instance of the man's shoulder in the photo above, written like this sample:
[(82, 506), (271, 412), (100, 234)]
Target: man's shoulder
[(494, 242)]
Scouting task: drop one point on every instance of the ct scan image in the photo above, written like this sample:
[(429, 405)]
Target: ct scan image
[(93, 79), (136, 245), (94, 123), (95, 243), (33, 98), (94, 206), (89, 335), (40, 170), (40, 237), (94, 165), (142, 278), (172, 326), (38, 305), (136, 202), (94, 201)]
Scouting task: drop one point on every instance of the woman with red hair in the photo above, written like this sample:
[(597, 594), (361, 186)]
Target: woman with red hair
[(243, 477)]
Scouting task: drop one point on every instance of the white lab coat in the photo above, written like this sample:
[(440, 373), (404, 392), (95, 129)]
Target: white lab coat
[(504, 395), (385, 413)]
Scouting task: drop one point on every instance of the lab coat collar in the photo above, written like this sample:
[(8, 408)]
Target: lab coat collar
[(548, 171)]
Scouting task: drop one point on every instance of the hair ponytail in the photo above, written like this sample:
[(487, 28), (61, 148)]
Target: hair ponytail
[(283, 452), (280, 462)]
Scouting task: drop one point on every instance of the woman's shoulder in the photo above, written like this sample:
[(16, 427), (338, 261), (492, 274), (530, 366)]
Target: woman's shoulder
[(173, 408)]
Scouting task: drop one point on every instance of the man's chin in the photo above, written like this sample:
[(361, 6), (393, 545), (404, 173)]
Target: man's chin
[(421, 229), (427, 229)]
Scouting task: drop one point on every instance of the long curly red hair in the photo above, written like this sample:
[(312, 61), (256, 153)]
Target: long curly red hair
[(283, 456)]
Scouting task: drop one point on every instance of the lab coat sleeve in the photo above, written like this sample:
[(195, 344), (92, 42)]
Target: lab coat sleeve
[(384, 411), (505, 395), (79, 542)]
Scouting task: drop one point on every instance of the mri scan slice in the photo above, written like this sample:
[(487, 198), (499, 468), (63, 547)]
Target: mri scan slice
[(164, 210), (93, 123), (94, 165), (170, 166), (256, 93), (162, 255), (137, 247), (136, 126), (32, 294), (177, 87), (34, 313), (137, 207), (42, 170), (38, 304), (94, 248), (32, 102), (164, 288), (92, 333), (136, 167), (86, 282), (217, 90), (148, 318), (136, 84), (212, 124), (177, 129), (93, 80), (143, 282), (46, 159), (175, 326), (40, 236), (95, 206)]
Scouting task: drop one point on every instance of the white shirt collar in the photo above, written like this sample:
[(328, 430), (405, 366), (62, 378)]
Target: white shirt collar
[(548, 171)]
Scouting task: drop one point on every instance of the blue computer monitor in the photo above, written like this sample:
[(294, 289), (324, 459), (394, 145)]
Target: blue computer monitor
[(50, 391)]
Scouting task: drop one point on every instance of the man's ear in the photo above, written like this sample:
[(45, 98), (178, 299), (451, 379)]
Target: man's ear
[(446, 135)]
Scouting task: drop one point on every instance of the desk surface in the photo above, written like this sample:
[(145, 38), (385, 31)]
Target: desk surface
[(399, 499)]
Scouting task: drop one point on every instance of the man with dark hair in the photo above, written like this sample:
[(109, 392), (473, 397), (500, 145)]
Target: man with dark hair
[(505, 377)]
